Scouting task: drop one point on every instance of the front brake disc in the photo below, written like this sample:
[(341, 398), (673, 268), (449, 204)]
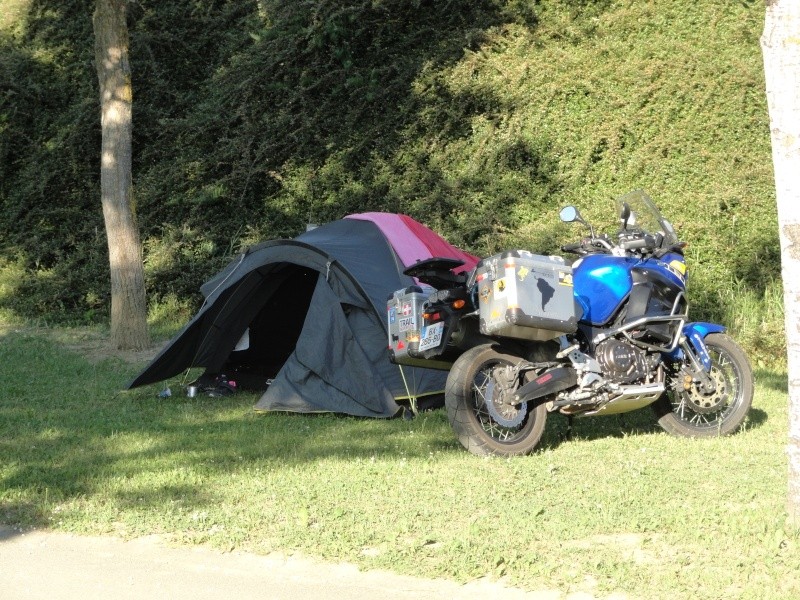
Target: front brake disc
[(704, 403)]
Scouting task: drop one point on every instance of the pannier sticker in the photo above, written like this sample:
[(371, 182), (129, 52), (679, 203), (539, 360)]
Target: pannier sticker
[(500, 288), (406, 309), (485, 292), (523, 273), (392, 316), (407, 323), (565, 278)]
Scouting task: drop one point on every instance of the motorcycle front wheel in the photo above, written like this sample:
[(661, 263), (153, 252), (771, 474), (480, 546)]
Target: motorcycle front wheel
[(482, 422), (694, 412)]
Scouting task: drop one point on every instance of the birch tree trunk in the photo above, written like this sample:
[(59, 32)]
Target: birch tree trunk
[(128, 303), (780, 44)]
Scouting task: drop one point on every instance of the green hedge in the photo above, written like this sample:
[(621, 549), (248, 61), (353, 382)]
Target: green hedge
[(480, 118)]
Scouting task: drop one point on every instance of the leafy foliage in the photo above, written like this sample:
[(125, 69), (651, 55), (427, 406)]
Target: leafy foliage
[(478, 118)]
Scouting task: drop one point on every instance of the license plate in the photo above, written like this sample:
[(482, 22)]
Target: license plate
[(431, 336)]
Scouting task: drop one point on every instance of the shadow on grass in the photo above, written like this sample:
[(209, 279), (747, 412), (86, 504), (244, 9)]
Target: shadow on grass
[(27, 515), (6, 533), (641, 422), (756, 418), (772, 380), (67, 434)]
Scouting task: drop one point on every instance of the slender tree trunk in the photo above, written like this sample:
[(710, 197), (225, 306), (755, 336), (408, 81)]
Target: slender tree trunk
[(128, 303), (780, 45)]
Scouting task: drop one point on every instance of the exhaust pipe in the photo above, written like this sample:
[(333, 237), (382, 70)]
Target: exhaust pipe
[(550, 382)]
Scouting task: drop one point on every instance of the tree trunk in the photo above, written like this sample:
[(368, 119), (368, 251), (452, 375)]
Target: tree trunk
[(780, 45), (128, 303)]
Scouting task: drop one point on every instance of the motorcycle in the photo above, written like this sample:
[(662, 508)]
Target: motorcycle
[(526, 335)]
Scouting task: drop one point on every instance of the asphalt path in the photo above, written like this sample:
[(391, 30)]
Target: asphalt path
[(39, 565)]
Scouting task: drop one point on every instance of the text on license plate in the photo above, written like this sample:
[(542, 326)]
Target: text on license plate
[(431, 336)]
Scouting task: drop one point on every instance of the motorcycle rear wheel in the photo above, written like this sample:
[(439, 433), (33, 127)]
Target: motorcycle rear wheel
[(693, 413), (470, 389)]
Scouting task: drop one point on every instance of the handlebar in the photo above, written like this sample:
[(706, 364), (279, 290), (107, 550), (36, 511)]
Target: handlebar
[(571, 247), (589, 246), (634, 244), (644, 242)]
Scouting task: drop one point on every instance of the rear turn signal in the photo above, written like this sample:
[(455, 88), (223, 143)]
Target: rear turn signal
[(458, 304)]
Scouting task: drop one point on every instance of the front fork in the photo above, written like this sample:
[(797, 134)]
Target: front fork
[(693, 349)]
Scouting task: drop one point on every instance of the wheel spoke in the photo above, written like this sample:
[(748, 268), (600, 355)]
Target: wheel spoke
[(495, 430), (480, 408), (706, 411)]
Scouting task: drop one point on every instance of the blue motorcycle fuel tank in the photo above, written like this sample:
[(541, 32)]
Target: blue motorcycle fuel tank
[(602, 282)]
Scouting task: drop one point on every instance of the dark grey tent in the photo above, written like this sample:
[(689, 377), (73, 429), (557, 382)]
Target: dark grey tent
[(313, 311)]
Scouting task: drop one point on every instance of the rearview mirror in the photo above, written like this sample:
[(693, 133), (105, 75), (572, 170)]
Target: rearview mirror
[(625, 214), (569, 214)]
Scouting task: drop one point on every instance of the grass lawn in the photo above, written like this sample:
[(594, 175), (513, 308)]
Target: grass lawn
[(620, 507)]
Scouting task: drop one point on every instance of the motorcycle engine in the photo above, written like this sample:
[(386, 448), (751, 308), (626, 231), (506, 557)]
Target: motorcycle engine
[(621, 362)]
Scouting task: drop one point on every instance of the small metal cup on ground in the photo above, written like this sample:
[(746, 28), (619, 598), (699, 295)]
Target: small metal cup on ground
[(191, 391)]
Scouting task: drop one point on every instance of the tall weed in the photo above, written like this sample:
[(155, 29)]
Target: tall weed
[(756, 320)]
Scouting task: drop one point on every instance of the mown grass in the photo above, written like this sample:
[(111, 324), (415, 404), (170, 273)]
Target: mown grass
[(619, 507)]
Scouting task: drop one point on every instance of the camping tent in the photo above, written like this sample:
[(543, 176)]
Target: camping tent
[(306, 319)]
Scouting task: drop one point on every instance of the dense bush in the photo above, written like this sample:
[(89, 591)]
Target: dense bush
[(479, 118)]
